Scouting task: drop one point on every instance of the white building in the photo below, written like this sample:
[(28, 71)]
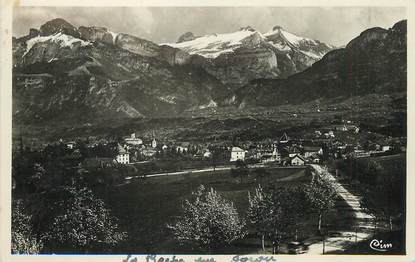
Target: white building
[(70, 145), (207, 154), (154, 143), (237, 153), (123, 156), (386, 148), (133, 140), (297, 160), (311, 150)]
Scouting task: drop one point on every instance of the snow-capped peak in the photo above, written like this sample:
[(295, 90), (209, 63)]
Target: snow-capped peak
[(214, 45), (247, 28), (290, 37), (211, 46), (59, 38)]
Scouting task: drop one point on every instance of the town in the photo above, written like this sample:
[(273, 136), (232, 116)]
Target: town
[(336, 141), (144, 169)]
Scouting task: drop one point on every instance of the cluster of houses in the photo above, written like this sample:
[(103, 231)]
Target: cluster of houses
[(136, 146), (320, 144), (284, 151)]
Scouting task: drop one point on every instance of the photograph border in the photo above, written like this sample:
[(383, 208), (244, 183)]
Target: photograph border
[(6, 121)]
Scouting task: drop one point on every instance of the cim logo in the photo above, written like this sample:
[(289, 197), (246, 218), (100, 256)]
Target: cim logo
[(378, 245)]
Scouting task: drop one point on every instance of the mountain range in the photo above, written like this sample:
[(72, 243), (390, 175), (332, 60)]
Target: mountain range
[(64, 72), (372, 63)]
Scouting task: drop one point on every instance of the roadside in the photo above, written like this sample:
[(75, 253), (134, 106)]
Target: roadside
[(338, 240)]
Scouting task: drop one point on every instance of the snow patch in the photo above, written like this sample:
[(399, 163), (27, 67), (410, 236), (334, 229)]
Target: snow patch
[(290, 37), (312, 55), (211, 46), (168, 99), (114, 36), (59, 38), (209, 105)]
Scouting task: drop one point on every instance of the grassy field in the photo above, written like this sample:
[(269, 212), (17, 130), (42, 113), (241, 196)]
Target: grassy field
[(144, 207)]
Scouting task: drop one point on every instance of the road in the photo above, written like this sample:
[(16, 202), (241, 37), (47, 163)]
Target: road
[(190, 171), (342, 238)]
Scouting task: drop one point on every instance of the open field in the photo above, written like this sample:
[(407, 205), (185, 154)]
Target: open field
[(146, 206)]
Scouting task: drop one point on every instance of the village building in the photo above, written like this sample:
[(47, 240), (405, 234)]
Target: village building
[(293, 151), (317, 133), (71, 145), (123, 156), (183, 147), (133, 140), (153, 143), (148, 152), (314, 159), (207, 154), (237, 153), (297, 160), (386, 148), (312, 150)]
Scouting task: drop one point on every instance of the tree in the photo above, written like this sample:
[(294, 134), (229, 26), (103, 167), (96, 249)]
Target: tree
[(259, 212), (321, 193), (260, 173), (240, 171), (368, 171), (215, 157), (23, 239), (300, 207), (208, 220), (385, 199), (73, 219), (277, 214), (283, 226)]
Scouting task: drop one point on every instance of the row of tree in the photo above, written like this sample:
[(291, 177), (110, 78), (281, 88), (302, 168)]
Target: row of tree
[(54, 210), (276, 214), (383, 188)]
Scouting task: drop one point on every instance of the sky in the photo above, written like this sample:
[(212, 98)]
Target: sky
[(332, 25)]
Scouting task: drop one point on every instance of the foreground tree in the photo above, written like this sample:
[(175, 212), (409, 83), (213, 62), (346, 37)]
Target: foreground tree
[(240, 170), (208, 220), (283, 223), (385, 199), (73, 219), (260, 213), (277, 214), (321, 194), (23, 239)]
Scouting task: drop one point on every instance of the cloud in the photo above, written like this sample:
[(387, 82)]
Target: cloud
[(334, 25)]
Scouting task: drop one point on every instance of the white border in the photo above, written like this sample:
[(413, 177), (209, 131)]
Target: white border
[(6, 101)]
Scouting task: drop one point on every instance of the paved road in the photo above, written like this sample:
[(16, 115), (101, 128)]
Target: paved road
[(343, 238)]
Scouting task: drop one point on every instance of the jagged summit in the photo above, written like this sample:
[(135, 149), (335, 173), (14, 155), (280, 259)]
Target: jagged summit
[(58, 25), (188, 36), (277, 27), (248, 54), (247, 28)]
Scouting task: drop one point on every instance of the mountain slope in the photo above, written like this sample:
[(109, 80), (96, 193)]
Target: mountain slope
[(58, 75), (373, 62), (238, 57)]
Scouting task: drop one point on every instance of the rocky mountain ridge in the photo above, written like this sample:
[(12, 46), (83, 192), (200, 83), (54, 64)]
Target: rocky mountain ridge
[(62, 72), (373, 62), (239, 57)]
